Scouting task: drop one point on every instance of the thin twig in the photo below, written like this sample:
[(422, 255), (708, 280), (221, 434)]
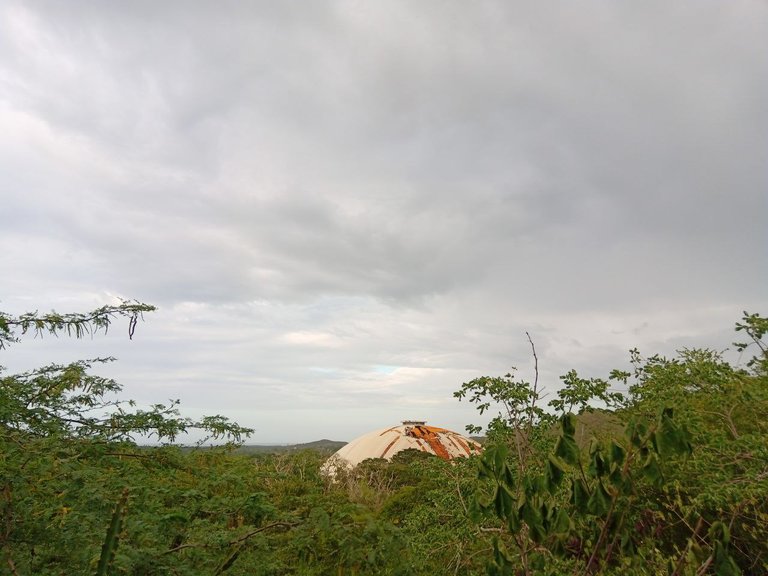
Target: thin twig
[(683, 557), (535, 364), (267, 527), (461, 497), (237, 540), (12, 566), (535, 395)]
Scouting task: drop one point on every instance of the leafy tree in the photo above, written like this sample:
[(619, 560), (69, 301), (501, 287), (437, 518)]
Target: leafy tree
[(676, 485), (78, 495), (581, 513), (756, 327), (64, 437), (683, 489)]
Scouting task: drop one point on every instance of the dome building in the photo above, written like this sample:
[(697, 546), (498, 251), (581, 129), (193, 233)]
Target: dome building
[(411, 434)]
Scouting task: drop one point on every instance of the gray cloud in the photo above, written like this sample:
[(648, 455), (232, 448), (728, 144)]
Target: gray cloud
[(343, 205)]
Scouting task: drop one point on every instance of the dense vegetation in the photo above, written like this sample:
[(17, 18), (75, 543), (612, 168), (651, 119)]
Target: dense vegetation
[(659, 469)]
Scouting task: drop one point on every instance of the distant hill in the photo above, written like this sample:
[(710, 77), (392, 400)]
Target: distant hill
[(324, 446), (599, 423), (596, 422)]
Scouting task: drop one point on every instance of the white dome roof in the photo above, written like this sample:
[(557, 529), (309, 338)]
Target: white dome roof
[(387, 442)]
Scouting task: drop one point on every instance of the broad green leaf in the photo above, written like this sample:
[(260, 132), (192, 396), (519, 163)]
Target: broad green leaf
[(562, 523), (567, 450), (513, 521), (652, 470), (670, 438), (600, 501), (532, 517), (597, 466), (568, 424), (579, 495), (555, 472), (627, 543), (503, 502), (618, 453)]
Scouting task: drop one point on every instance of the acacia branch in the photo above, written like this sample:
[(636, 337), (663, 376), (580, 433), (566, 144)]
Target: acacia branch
[(77, 325), (683, 557), (12, 566), (236, 541), (267, 527)]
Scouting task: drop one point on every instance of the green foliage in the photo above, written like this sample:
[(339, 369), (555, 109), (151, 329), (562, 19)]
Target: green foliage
[(678, 486), (756, 327), (70, 402), (584, 511), (516, 398), (109, 548), (75, 324), (683, 490), (77, 495), (577, 394)]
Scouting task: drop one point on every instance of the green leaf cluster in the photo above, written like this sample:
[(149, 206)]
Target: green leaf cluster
[(670, 477), (78, 495), (682, 489)]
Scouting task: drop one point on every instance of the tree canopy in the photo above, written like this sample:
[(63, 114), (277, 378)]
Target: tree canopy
[(656, 468)]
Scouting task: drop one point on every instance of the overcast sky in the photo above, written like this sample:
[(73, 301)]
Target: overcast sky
[(343, 210)]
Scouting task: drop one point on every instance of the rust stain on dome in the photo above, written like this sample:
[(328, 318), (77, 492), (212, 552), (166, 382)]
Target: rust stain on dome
[(430, 435), (389, 446)]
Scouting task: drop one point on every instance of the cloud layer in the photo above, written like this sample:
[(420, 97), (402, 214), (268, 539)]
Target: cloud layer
[(345, 209)]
